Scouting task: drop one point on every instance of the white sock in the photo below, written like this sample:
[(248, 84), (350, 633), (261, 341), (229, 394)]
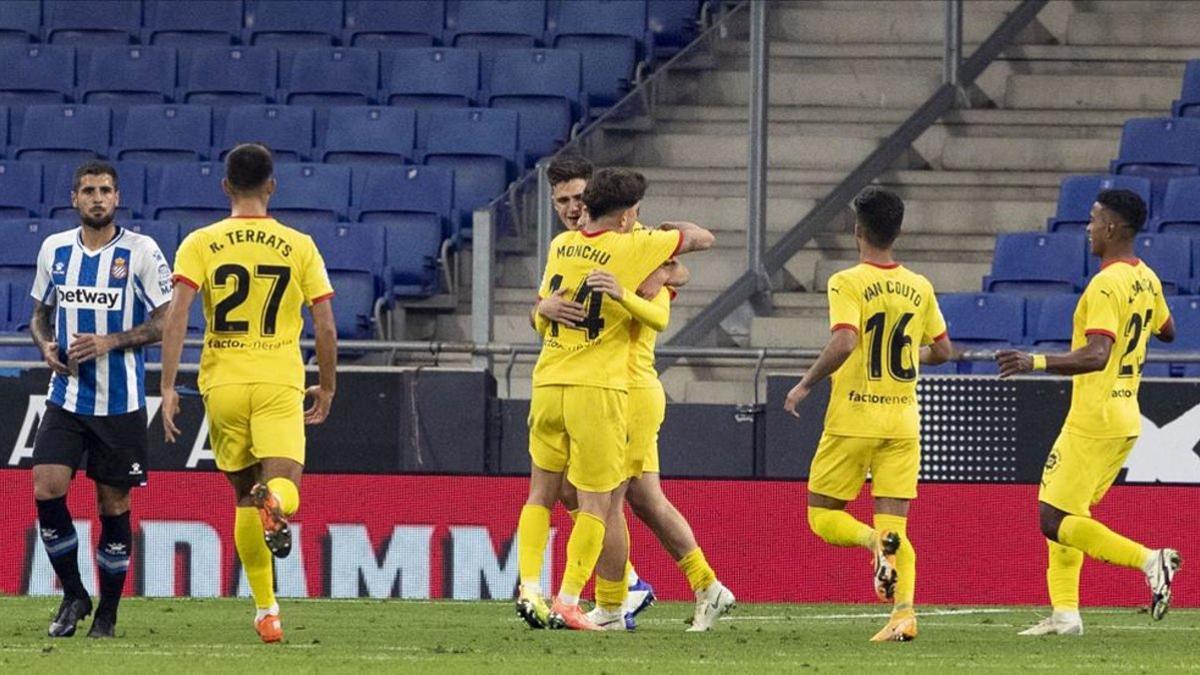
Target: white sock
[(632, 579), (568, 599), (260, 613), (1151, 562), (534, 586), (1071, 615)]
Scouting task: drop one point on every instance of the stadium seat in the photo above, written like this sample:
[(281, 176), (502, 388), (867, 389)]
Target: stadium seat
[(20, 189), (165, 233), (386, 24), (369, 135), (226, 76), (4, 137), (340, 76), (286, 130), (5, 319), (129, 76), (1159, 149), (1180, 213), (1037, 264), (1168, 255), (353, 256), (480, 145), (412, 204), (89, 23), (609, 34), (1188, 103), (192, 24), (488, 25), (1196, 266), (36, 74), (673, 23), (1077, 194), (436, 77), (165, 133), (21, 21), (189, 194), (1185, 311), (64, 133), (18, 257), (985, 320), (58, 180), (1049, 321), (311, 193), (543, 85), (293, 23)]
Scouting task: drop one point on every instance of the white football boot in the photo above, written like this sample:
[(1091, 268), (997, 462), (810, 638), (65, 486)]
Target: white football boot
[(610, 620), (711, 603), (1160, 572), (1058, 623)]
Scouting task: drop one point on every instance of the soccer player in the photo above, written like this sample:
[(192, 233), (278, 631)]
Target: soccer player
[(885, 321), (579, 404), (1122, 305), (255, 274), (100, 294)]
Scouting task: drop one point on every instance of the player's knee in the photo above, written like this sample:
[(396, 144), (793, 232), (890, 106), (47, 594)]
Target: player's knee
[(46, 485), (1050, 519)]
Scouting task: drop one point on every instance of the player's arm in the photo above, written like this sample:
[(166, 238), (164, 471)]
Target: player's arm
[(41, 327), (1090, 358), (937, 352), (88, 346), (678, 274), (558, 309), (325, 332), (839, 348), (692, 236), (1166, 332), (647, 313), (174, 328)]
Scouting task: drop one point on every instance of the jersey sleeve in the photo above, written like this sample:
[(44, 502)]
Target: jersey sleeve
[(314, 280), (153, 276), (651, 313), (1103, 309), (1162, 312), (43, 285), (189, 264), (935, 323), (845, 309), (652, 248)]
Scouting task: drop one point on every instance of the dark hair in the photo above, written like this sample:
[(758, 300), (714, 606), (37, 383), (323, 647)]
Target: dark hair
[(612, 190), (94, 169), (879, 213), (1128, 206), (568, 167), (248, 167)]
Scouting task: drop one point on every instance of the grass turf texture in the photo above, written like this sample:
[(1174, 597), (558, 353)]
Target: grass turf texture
[(169, 635)]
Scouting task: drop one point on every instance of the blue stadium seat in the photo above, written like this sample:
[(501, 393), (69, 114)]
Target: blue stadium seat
[(89, 23), (436, 77), (5, 319), (192, 24), (353, 256), (488, 25), (36, 74), (165, 133), (286, 130), (412, 204), (21, 21), (20, 189), (610, 35), (4, 137), (339, 76), (385, 24), (64, 133), (1180, 212), (189, 194), (1077, 194), (544, 86), (1049, 321), (1168, 255), (1185, 311), (1196, 266), (673, 23), (369, 135), (129, 76), (165, 233), (226, 76), (984, 320), (1037, 264), (18, 260), (311, 193), (293, 23), (58, 180), (1159, 149), (1188, 103), (480, 145)]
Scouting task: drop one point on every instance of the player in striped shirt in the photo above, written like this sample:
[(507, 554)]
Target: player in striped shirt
[(100, 294)]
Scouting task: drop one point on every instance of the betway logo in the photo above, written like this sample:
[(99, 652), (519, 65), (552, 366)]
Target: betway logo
[(88, 297)]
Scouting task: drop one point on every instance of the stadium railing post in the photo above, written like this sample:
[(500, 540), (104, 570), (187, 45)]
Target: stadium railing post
[(482, 259)]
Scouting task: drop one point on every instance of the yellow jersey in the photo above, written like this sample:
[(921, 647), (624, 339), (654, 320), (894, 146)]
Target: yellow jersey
[(596, 352), (894, 312), (253, 274), (642, 374), (1125, 302)]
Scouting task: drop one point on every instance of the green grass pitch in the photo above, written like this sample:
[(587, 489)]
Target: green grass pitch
[(168, 636)]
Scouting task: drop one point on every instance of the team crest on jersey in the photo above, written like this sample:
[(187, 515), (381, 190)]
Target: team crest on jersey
[(1052, 461), (119, 269), (60, 269)]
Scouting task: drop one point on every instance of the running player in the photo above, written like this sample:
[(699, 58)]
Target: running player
[(100, 294), (254, 274), (1122, 305), (885, 321)]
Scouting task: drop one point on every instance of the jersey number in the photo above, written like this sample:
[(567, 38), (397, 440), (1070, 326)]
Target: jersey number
[(278, 274), (897, 343), (591, 300), (1134, 331)]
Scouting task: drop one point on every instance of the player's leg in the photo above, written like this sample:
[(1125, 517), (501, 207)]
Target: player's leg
[(647, 409), (277, 442), (611, 587), (838, 472), (548, 447), (895, 467)]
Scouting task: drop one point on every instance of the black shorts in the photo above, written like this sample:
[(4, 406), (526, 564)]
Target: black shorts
[(115, 445)]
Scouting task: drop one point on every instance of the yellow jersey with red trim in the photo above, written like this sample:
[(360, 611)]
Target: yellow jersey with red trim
[(596, 351), (894, 312), (253, 275), (1124, 301), (642, 374)]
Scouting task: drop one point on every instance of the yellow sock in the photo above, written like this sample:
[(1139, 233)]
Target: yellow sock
[(906, 560), (1101, 543), (287, 494), (583, 550), (700, 574), (839, 528), (255, 557), (1062, 577), (610, 595), (533, 531)]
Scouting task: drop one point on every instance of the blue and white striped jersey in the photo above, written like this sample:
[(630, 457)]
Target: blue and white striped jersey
[(101, 292)]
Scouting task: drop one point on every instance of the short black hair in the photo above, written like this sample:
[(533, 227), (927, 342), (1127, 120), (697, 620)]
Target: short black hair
[(1127, 204), (612, 190), (568, 167), (94, 169), (879, 213), (248, 167)]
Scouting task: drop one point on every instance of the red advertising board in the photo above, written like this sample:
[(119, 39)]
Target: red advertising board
[(452, 537)]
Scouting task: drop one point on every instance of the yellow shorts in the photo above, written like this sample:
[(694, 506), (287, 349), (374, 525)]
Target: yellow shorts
[(841, 464), (1079, 471), (580, 430), (251, 422), (647, 410)]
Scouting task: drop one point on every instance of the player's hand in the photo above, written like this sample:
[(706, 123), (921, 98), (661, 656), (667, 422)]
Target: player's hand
[(322, 401), (559, 309), (602, 281), (87, 346), (50, 356), (654, 283), (1013, 362), (169, 409), (795, 396)]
